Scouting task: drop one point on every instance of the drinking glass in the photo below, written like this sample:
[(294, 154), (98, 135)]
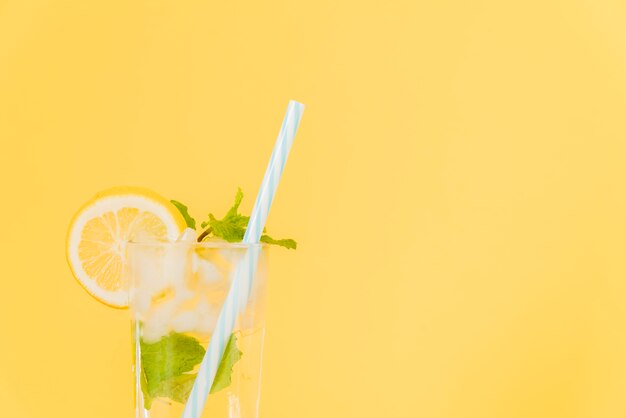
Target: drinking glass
[(176, 294)]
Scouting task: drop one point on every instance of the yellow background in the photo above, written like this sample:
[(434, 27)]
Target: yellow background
[(456, 187)]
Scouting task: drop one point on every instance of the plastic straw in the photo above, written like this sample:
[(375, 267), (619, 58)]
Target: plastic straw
[(244, 273)]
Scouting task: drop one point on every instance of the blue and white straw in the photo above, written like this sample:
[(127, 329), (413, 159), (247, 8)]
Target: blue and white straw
[(244, 273)]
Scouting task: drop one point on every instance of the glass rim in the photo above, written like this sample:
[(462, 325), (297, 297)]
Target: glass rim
[(196, 244)]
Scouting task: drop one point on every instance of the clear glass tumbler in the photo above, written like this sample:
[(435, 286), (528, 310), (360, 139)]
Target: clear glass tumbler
[(176, 294)]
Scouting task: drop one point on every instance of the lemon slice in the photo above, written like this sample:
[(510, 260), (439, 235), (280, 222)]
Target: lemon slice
[(98, 233)]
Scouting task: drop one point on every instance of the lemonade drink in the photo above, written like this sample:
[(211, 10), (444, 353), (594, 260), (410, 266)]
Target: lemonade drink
[(132, 248), (176, 294)]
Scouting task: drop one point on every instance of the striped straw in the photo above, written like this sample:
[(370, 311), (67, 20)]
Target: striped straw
[(244, 273)]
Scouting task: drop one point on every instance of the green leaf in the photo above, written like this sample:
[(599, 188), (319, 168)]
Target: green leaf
[(166, 363), (287, 243), (191, 222), (232, 227), (234, 210), (169, 357), (177, 388), (223, 376)]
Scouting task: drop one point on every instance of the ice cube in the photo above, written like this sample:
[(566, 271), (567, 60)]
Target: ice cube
[(207, 318), (156, 324), (175, 262), (208, 272), (147, 273), (154, 332), (184, 322), (232, 255), (182, 294), (141, 302)]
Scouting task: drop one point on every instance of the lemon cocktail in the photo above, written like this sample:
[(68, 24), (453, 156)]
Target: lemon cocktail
[(129, 247)]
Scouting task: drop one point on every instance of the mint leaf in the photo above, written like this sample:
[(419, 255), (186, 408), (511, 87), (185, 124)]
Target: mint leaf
[(171, 356), (177, 388), (191, 222), (223, 376), (287, 243), (234, 210), (165, 365), (232, 227)]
